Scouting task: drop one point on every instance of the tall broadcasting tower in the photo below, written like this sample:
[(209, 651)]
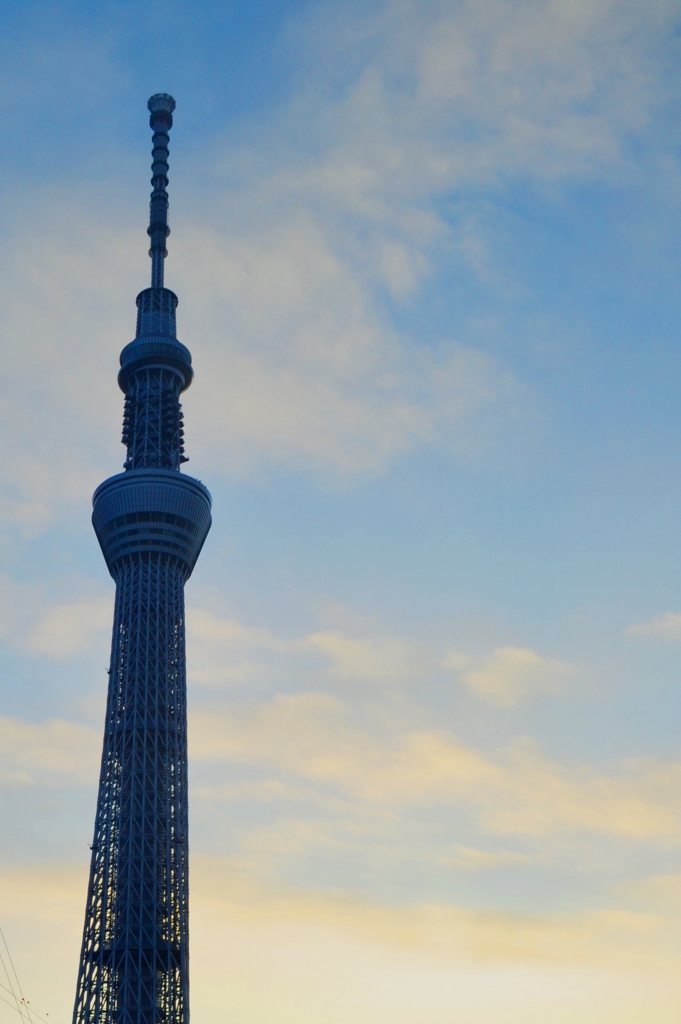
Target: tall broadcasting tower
[(151, 522)]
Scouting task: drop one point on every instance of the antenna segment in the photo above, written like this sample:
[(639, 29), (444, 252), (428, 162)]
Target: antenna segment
[(161, 107)]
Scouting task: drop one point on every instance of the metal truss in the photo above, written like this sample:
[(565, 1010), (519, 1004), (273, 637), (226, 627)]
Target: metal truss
[(153, 427), (135, 960)]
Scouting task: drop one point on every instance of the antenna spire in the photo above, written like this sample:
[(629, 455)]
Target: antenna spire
[(161, 107)]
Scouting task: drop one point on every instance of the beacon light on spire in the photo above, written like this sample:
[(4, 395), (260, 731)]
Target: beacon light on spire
[(151, 522)]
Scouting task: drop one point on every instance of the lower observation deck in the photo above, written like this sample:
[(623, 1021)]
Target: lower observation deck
[(151, 511)]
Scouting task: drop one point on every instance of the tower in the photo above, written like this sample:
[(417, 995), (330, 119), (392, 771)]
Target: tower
[(151, 522)]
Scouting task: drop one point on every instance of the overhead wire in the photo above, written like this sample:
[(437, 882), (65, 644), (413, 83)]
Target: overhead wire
[(17, 1005), (20, 1005), (35, 1013), (16, 976), (12, 1006)]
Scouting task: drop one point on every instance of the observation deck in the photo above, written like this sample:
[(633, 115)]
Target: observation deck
[(151, 511), (155, 342)]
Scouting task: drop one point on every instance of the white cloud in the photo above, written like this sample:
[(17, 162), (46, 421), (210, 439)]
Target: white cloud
[(514, 791), (34, 626), (373, 659), (664, 627), (225, 651), (304, 367), (221, 650), (509, 675), (301, 368), (472, 859), (68, 310), (271, 952), (483, 91), (68, 629), (298, 363), (430, 963), (52, 753), (30, 517), (331, 203)]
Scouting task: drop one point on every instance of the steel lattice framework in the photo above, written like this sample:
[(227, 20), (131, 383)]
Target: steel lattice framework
[(151, 522)]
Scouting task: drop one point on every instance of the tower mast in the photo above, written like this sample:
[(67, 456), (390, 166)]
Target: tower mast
[(161, 121), (151, 522)]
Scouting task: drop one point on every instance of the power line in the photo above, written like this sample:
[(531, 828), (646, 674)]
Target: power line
[(20, 1005), (16, 976), (17, 1005), (33, 1010)]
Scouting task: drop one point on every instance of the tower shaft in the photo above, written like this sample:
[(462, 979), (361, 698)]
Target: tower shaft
[(135, 955), (151, 523)]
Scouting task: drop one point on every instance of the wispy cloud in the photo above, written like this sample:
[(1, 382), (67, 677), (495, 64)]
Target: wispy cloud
[(223, 651), (68, 629), (226, 651), (424, 961), (36, 626), (51, 754), (664, 627), (371, 659), (472, 859), (509, 674), (515, 790), (300, 363), (403, 143)]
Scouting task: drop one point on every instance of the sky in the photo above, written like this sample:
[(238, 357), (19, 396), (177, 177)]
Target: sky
[(427, 257)]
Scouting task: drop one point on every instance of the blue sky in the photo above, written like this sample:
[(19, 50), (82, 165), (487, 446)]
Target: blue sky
[(427, 256)]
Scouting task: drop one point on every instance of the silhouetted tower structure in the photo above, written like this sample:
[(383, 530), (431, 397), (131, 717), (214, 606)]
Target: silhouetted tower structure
[(151, 522)]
